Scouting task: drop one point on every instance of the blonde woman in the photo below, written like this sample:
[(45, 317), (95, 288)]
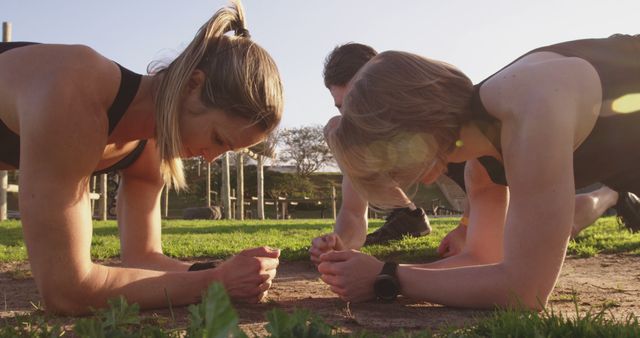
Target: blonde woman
[(530, 134), (67, 112)]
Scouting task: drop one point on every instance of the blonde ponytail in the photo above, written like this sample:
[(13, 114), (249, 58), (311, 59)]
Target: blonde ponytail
[(205, 53)]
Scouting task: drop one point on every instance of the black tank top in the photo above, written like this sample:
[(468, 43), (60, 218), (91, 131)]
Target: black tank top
[(129, 83), (612, 147)]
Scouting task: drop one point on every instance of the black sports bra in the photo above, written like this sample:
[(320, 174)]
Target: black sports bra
[(617, 61)]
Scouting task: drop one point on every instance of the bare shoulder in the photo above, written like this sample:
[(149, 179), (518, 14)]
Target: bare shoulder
[(61, 98), (543, 82), (62, 68), (48, 58)]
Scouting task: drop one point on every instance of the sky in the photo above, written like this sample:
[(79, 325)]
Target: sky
[(478, 36)]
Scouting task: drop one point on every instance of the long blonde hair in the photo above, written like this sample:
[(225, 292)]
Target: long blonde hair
[(401, 118), (241, 79)]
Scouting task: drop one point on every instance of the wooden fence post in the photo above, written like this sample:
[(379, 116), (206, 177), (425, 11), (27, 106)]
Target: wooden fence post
[(208, 184), (6, 31), (4, 175), (4, 185), (226, 189), (104, 198), (333, 201), (260, 170), (166, 201), (239, 186)]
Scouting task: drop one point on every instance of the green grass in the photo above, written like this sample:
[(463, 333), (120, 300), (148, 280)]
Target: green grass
[(548, 324), (216, 317), (221, 239), (605, 236)]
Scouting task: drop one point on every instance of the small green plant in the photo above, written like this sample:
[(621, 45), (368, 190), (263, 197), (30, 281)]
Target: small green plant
[(29, 326), (299, 324), (214, 317), (118, 320)]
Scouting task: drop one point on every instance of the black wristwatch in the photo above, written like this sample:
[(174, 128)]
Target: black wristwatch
[(386, 287), (202, 266)]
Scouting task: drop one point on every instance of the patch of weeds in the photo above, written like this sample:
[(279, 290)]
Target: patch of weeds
[(118, 320), (299, 324), (20, 274), (37, 306), (582, 250), (513, 323), (565, 297), (398, 334), (31, 325), (214, 316)]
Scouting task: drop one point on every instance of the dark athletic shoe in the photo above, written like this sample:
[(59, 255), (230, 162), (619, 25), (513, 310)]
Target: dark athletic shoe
[(399, 223), (628, 209)]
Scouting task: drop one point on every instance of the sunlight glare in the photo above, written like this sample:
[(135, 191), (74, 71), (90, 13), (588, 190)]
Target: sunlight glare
[(626, 104)]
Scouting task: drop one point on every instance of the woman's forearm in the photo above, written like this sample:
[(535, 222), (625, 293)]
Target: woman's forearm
[(351, 223), (483, 286), (149, 288), (459, 260), (352, 230)]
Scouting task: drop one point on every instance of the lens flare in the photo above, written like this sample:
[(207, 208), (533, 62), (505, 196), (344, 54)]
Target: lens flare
[(626, 104), (403, 151)]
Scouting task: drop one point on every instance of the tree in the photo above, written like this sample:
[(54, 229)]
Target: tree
[(287, 185), (277, 184), (305, 148)]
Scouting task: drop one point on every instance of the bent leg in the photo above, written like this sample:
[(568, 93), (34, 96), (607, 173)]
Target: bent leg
[(590, 206)]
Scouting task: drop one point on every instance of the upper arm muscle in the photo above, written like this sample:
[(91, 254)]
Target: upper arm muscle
[(540, 105)]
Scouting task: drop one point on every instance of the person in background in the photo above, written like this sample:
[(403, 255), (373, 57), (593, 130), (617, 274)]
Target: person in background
[(351, 223)]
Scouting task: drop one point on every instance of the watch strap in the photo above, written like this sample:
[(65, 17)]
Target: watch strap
[(389, 268), (202, 266)]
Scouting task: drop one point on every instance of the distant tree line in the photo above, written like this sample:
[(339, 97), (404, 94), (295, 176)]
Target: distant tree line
[(304, 148)]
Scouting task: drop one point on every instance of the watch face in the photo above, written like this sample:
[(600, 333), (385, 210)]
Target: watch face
[(386, 287)]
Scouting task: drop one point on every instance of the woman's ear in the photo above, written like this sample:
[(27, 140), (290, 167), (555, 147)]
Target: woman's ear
[(196, 80)]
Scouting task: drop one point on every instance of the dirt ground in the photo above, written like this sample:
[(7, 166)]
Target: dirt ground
[(607, 280)]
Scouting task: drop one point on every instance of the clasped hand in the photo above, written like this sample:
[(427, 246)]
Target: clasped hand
[(453, 243), (248, 275), (324, 244), (350, 274)]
